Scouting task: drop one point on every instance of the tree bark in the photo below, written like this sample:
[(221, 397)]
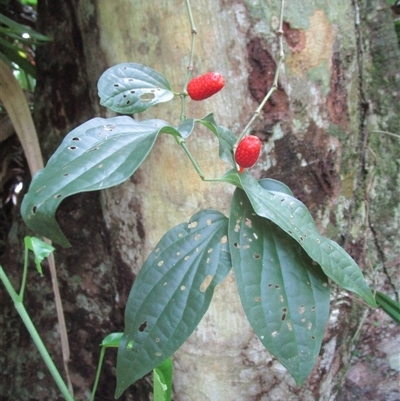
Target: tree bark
[(340, 83)]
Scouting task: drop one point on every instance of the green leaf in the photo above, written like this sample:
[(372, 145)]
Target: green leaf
[(13, 53), (98, 154), (162, 379), (391, 307), (171, 294), (132, 88), (284, 294), (112, 340), (20, 29), (40, 249), (226, 138), (186, 127), (293, 217)]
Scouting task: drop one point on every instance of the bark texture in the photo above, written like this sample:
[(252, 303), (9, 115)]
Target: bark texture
[(340, 84)]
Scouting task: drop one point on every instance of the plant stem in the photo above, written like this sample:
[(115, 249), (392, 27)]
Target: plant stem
[(24, 275), (191, 57), (96, 382), (192, 159), (35, 336), (274, 86)]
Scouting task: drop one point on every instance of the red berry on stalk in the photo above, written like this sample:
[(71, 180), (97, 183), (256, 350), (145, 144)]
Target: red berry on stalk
[(206, 85), (247, 152)]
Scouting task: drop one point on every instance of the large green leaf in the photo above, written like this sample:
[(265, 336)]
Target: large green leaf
[(284, 294), (98, 154), (293, 217), (132, 88), (171, 293)]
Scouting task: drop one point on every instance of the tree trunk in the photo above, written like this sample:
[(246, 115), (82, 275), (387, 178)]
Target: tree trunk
[(339, 85)]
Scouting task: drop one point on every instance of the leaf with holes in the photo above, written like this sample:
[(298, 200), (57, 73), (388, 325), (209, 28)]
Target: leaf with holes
[(293, 217), (225, 137), (98, 154), (171, 293), (132, 88), (284, 294)]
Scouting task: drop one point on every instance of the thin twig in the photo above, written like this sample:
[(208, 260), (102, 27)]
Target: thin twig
[(191, 57), (274, 86)]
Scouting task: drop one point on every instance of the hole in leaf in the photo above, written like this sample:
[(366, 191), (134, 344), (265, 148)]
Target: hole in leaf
[(116, 85), (142, 327), (256, 256), (197, 237), (147, 97), (160, 263), (289, 326), (72, 147), (128, 102), (183, 288), (224, 239), (309, 326), (76, 138), (164, 284), (269, 285), (209, 222), (129, 346), (248, 223), (34, 209), (274, 333), (206, 282), (178, 253), (132, 91), (65, 175), (57, 196), (157, 340), (158, 353), (283, 316), (255, 235), (210, 250), (192, 224), (236, 245), (186, 257), (302, 309), (277, 287), (208, 260), (313, 309), (312, 338)]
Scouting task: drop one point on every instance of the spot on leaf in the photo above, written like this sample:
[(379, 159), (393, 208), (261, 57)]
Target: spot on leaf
[(206, 282)]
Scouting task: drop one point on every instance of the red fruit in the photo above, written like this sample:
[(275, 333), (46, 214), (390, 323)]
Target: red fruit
[(204, 86), (247, 152)]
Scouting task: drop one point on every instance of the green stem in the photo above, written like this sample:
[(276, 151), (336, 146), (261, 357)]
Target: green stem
[(274, 86), (96, 382), (35, 336), (192, 159), (24, 275), (191, 57)]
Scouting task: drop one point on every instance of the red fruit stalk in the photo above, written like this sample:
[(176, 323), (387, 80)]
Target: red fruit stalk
[(248, 152), (206, 85)]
